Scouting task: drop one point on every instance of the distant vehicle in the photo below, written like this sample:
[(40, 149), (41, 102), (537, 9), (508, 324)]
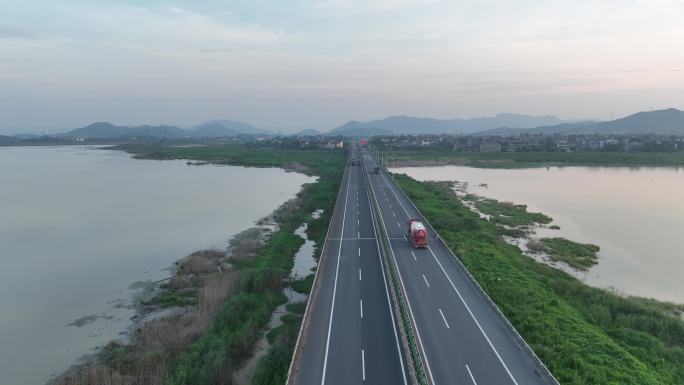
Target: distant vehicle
[(359, 162), (376, 170), (352, 162), (417, 232)]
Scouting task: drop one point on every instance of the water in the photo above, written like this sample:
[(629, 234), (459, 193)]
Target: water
[(636, 216), (304, 260), (79, 225)]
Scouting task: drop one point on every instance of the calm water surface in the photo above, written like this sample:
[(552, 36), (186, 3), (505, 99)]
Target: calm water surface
[(79, 225), (636, 216)]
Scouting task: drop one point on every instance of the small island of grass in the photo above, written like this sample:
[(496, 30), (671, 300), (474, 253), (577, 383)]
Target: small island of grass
[(580, 256)]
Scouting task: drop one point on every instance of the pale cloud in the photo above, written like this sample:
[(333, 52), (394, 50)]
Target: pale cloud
[(12, 32), (342, 59)]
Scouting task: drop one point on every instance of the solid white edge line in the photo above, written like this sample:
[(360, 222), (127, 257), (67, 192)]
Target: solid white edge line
[(384, 281), (473, 317), (471, 375), (426, 282), (459, 294), (444, 318), (403, 288), (337, 270)]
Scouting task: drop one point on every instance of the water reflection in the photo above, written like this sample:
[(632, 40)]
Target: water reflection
[(635, 215), (79, 225)]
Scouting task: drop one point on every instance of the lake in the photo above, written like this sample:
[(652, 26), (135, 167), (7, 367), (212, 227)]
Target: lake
[(79, 226), (636, 216)]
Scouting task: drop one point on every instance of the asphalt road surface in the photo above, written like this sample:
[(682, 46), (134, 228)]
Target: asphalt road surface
[(351, 336), (463, 339)]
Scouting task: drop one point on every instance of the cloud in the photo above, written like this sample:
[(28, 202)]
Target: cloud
[(215, 50), (10, 32)]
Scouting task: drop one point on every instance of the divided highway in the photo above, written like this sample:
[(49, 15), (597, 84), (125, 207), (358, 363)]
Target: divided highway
[(350, 334), (461, 336)]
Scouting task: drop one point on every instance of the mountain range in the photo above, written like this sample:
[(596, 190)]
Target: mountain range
[(400, 125), (663, 122), (210, 129)]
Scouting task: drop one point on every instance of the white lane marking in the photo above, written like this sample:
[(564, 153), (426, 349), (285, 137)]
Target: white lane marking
[(444, 319), (358, 222), (395, 214), (337, 270), (471, 375), (358, 235), (459, 294), (473, 317), (384, 281), (361, 307), (398, 225), (426, 282), (363, 365), (359, 251), (414, 255), (403, 287), (359, 274)]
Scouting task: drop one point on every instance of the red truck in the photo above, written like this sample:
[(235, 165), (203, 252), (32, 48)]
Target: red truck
[(417, 232)]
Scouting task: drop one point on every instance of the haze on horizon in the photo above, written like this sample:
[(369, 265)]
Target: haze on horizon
[(320, 63)]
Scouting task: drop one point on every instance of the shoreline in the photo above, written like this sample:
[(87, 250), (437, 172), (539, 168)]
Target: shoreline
[(158, 302), (253, 285)]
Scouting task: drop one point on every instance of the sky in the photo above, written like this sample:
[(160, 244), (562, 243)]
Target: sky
[(319, 63)]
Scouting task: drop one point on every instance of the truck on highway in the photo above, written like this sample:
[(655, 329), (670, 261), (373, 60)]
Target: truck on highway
[(376, 170), (417, 232)]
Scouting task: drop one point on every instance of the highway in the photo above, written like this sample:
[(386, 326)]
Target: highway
[(461, 336), (350, 334)]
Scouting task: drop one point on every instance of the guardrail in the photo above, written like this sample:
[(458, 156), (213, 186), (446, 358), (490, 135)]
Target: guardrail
[(408, 334), (521, 342), (321, 261)]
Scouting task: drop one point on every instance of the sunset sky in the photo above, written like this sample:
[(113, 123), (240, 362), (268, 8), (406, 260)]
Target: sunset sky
[(305, 63)]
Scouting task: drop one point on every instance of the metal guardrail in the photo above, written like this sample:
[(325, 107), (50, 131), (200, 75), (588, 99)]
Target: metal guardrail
[(545, 371), (413, 355), (321, 261)]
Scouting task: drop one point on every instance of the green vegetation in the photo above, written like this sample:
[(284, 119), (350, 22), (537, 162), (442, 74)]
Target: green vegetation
[(236, 327), (303, 285), (509, 214), (272, 367), (535, 159), (583, 334), (578, 255), (178, 298)]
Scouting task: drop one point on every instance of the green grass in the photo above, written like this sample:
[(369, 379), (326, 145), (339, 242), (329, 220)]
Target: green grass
[(583, 334), (509, 214), (238, 324), (539, 159), (303, 285), (578, 255), (178, 298)]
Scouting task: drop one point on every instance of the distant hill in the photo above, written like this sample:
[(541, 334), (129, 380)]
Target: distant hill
[(233, 125), (213, 131), (554, 129), (106, 130), (5, 140), (308, 132), (661, 122), (353, 131), (412, 125)]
